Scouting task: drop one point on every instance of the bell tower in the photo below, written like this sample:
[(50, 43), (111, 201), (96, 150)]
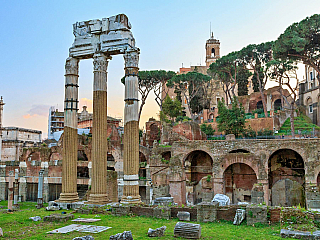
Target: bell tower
[(212, 50)]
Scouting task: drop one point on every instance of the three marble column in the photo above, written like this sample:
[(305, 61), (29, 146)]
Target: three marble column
[(98, 194)]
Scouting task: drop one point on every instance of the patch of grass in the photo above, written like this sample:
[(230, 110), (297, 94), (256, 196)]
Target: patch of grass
[(302, 123), (18, 226)]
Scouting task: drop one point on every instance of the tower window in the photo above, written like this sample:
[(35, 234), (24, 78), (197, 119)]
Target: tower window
[(213, 52)]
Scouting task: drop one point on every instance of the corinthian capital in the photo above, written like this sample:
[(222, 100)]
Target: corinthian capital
[(72, 66), (100, 62), (131, 59)]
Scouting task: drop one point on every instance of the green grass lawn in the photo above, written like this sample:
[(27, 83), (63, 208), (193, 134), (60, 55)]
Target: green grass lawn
[(17, 225)]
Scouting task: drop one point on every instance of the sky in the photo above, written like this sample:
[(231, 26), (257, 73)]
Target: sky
[(35, 38)]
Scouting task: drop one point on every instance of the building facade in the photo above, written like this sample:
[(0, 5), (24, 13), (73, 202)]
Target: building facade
[(309, 95)]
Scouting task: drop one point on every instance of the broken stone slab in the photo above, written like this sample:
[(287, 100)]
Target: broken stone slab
[(187, 230), (158, 232), (239, 217), (126, 235), (52, 208), (183, 216), (222, 199), (284, 233), (80, 228), (58, 218), (85, 220), (84, 238), (36, 218), (164, 201)]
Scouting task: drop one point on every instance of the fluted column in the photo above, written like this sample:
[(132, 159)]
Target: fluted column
[(98, 193), (131, 130), (70, 138)]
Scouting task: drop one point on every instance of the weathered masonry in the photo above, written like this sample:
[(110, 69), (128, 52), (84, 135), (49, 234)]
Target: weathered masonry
[(99, 40), (277, 172)]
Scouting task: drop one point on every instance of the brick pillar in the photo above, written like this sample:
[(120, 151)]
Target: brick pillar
[(218, 185), (265, 185), (131, 130), (3, 182), (98, 193), (70, 136)]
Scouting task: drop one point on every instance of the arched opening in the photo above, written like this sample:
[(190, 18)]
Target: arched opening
[(198, 165), (277, 104), (238, 180), (213, 52), (166, 157), (239, 151), (286, 178), (309, 106), (259, 105), (82, 156)]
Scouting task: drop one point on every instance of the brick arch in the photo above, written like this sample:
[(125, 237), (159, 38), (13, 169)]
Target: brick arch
[(225, 164), (145, 152), (298, 151), (316, 173), (193, 150)]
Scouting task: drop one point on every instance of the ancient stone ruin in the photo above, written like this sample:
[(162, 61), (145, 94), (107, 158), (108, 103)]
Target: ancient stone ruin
[(99, 40)]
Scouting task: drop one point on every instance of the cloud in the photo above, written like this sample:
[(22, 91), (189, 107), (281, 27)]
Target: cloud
[(37, 110)]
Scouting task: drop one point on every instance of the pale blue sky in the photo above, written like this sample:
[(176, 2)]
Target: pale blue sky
[(35, 37)]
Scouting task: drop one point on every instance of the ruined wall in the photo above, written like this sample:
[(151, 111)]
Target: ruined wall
[(259, 151)]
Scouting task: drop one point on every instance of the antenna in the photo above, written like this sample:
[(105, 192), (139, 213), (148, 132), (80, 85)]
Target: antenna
[(210, 30), (182, 65)]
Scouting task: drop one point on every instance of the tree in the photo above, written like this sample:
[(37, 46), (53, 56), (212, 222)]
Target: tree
[(226, 68), (160, 91), (231, 121), (254, 80), (301, 42), (171, 108), (285, 73), (256, 57), (243, 75), (207, 129), (188, 85), (152, 80)]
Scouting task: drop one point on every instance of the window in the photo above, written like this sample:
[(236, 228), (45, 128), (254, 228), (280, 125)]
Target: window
[(218, 100), (213, 52), (310, 108)]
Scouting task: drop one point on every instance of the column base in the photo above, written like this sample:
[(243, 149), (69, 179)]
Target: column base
[(99, 199), (131, 199), (68, 197)]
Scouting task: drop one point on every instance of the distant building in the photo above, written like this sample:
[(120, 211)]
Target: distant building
[(309, 95), (14, 139), (56, 122)]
